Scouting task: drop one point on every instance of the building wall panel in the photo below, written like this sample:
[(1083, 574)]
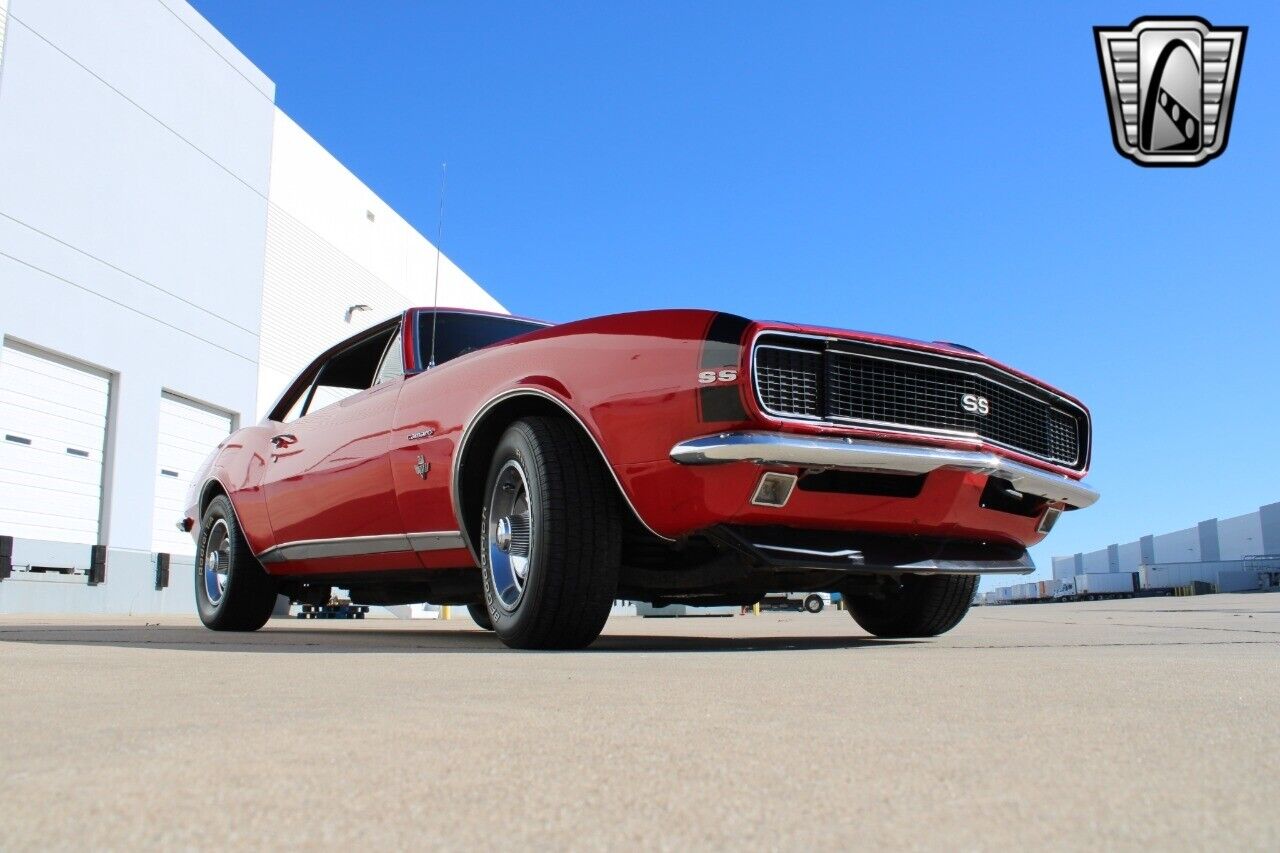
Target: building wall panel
[(1269, 521), (1181, 546), (133, 236), (332, 243), (169, 227), (1097, 562), (1130, 556), (4, 22), (1240, 536)]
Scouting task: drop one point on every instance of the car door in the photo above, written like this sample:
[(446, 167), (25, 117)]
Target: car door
[(421, 451), (428, 425), (327, 484)]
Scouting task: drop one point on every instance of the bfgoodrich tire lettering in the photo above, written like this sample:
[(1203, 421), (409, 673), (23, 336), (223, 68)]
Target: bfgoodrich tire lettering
[(233, 592), (566, 532), (923, 606)]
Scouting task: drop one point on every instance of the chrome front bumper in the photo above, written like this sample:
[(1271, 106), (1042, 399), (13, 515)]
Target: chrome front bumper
[(775, 448)]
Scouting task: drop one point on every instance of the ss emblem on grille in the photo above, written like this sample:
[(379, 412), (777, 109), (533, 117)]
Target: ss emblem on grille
[(975, 405)]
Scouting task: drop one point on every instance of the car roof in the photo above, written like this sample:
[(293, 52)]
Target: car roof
[(481, 313)]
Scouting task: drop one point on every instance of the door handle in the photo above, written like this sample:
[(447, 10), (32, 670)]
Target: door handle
[(283, 440)]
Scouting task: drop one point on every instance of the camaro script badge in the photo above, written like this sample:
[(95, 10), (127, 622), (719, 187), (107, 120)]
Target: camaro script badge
[(1170, 85)]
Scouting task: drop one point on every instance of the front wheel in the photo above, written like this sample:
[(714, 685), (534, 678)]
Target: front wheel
[(550, 537), (233, 591), (480, 615), (813, 604), (921, 606)]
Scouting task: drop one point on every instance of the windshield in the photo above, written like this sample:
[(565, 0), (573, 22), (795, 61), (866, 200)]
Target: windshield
[(459, 334)]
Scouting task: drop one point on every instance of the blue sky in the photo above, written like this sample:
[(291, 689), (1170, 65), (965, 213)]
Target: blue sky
[(940, 172)]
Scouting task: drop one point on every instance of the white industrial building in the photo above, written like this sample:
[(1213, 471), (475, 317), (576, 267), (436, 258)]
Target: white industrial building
[(173, 249), (1237, 554), (1243, 543)]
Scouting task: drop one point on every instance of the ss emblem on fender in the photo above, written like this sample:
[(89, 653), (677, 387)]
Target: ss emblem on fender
[(707, 377), (975, 405)]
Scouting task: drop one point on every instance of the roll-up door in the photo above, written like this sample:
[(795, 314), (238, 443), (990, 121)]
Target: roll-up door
[(188, 432), (53, 430)]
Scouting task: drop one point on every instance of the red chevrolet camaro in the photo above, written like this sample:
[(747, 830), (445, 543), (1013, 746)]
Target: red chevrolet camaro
[(536, 472)]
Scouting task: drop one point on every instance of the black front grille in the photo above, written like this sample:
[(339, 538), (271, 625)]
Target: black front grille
[(788, 379), (874, 385)]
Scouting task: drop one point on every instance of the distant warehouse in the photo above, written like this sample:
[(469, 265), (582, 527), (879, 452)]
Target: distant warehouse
[(1239, 554), (1243, 544)]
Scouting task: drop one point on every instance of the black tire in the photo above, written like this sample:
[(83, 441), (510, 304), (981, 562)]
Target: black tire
[(573, 537), (923, 606), (480, 615), (814, 604), (245, 600)]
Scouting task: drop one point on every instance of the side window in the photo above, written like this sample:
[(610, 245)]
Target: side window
[(326, 395), (392, 366), (457, 334), (349, 372), (316, 397)]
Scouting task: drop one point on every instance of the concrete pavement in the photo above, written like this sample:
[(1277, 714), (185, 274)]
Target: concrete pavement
[(1130, 724)]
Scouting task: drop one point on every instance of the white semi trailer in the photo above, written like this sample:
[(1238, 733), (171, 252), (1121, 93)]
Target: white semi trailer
[(1095, 586)]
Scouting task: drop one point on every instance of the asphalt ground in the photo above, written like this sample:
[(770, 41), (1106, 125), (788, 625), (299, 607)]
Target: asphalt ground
[(1151, 724)]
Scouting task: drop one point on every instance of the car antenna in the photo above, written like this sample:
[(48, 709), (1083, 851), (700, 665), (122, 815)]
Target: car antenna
[(435, 295)]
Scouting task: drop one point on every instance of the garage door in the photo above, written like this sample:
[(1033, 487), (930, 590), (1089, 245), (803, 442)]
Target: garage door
[(188, 432), (53, 424)]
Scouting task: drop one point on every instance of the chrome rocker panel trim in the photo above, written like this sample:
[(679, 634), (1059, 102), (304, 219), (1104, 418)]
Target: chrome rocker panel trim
[(772, 448), (357, 546)]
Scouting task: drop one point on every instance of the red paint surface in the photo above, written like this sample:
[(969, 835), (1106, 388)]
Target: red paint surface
[(632, 379)]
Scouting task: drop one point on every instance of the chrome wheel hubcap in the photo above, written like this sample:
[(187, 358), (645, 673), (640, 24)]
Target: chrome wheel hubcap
[(217, 561), (510, 535)]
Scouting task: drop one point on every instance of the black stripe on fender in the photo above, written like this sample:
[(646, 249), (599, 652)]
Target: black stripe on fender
[(722, 348), (724, 341), (721, 404)]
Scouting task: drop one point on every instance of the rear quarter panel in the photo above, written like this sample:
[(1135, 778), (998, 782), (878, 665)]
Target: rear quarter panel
[(238, 465)]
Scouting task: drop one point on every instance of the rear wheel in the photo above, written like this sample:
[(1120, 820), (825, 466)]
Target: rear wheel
[(921, 606), (233, 591), (550, 537), (813, 604)]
